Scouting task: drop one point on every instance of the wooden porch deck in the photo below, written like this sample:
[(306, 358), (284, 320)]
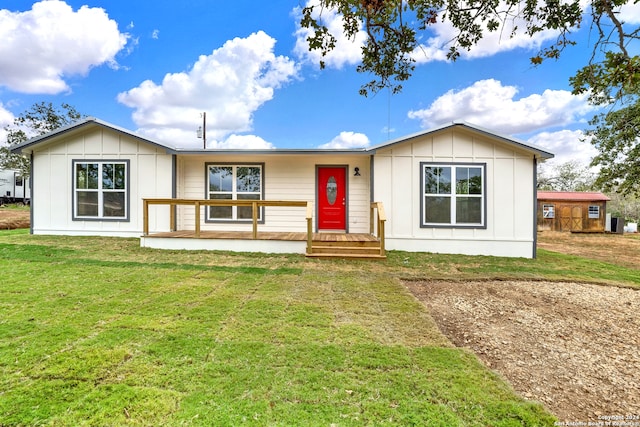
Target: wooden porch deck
[(287, 236), (324, 245)]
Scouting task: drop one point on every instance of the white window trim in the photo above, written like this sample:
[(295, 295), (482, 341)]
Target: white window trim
[(100, 191), (548, 211), (453, 224), (596, 214), (234, 194)]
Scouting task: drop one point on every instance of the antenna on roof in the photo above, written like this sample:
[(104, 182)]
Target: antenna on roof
[(202, 130), (389, 114)]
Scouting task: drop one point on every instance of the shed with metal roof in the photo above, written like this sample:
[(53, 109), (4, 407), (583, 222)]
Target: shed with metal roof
[(574, 211)]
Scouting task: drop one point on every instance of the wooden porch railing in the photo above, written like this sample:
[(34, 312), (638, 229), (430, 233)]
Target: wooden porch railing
[(377, 215), (381, 219), (255, 205)]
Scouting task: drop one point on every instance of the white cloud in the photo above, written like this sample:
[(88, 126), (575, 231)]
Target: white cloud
[(348, 140), (233, 141), (6, 116), (155, 34), (230, 84), (566, 145), (242, 142), (6, 119), (629, 13), (435, 48), (488, 103), (42, 46), (388, 130), (346, 52)]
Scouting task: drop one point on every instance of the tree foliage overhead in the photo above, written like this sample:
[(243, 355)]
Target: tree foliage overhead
[(569, 176), (395, 27), (615, 135), (40, 119), (611, 78)]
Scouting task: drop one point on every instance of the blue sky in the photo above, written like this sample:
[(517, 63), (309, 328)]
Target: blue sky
[(153, 67)]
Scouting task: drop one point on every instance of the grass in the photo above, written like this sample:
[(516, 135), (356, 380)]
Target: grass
[(98, 331), (16, 206), (549, 265)]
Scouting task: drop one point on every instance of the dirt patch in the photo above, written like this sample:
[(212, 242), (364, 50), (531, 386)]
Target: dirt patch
[(573, 347), (13, 218), (620, 249)]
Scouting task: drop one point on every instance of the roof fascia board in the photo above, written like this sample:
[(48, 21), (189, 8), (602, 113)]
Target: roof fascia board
[(275, 151), (542, 154), (179, 151), (77, 126), (92, 121)]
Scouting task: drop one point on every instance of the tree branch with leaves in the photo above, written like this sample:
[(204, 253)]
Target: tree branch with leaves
[(611, 78), (40, 119), (394, 28)]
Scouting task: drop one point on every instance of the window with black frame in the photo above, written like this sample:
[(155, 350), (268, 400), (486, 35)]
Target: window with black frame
[(453, 195), (100, 190), (234, 182)]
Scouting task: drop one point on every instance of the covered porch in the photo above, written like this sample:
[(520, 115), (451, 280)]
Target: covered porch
[(252, 239)]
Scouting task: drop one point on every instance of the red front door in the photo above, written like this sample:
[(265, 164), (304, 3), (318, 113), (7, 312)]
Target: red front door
[(332, 198)]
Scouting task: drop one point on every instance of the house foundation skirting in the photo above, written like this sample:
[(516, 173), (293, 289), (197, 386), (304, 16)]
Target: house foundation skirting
[(234, 245), (327, 244), (497, 247)]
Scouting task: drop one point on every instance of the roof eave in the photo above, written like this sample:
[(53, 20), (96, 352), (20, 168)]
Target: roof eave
[(26, 147), (273, 151), (537, 151)]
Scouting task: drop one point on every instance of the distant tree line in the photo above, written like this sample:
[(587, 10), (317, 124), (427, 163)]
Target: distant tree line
[(573, 176)]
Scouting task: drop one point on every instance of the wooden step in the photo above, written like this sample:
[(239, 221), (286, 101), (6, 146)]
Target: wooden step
[(346, 249), (347, 256), (342, 243)]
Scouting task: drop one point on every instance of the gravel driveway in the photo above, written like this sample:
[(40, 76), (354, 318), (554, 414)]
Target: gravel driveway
[(573, 347)]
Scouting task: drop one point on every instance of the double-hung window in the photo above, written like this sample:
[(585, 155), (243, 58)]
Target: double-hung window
[(453, 195), (594, 212), (234, 182), (101, 190)]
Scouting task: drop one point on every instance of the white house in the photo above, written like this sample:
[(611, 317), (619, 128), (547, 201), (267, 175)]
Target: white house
[(457, 189)]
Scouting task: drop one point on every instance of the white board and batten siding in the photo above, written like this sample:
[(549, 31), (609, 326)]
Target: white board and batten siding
[(510, 209), (150, 172), (390, 173), (289, 177)]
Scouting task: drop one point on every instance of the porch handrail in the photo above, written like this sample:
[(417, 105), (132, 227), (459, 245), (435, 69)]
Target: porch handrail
[(309, 218), (381, 219), (197, 203)]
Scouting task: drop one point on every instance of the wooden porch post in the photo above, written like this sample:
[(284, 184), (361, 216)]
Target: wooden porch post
[(197, 205), (381, 237), (145, 217), (309, 228), (254, 213), (371, 218), (172, 217), (382, 218)]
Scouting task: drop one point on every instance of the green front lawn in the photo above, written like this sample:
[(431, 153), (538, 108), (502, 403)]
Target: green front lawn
[(98, 331)]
